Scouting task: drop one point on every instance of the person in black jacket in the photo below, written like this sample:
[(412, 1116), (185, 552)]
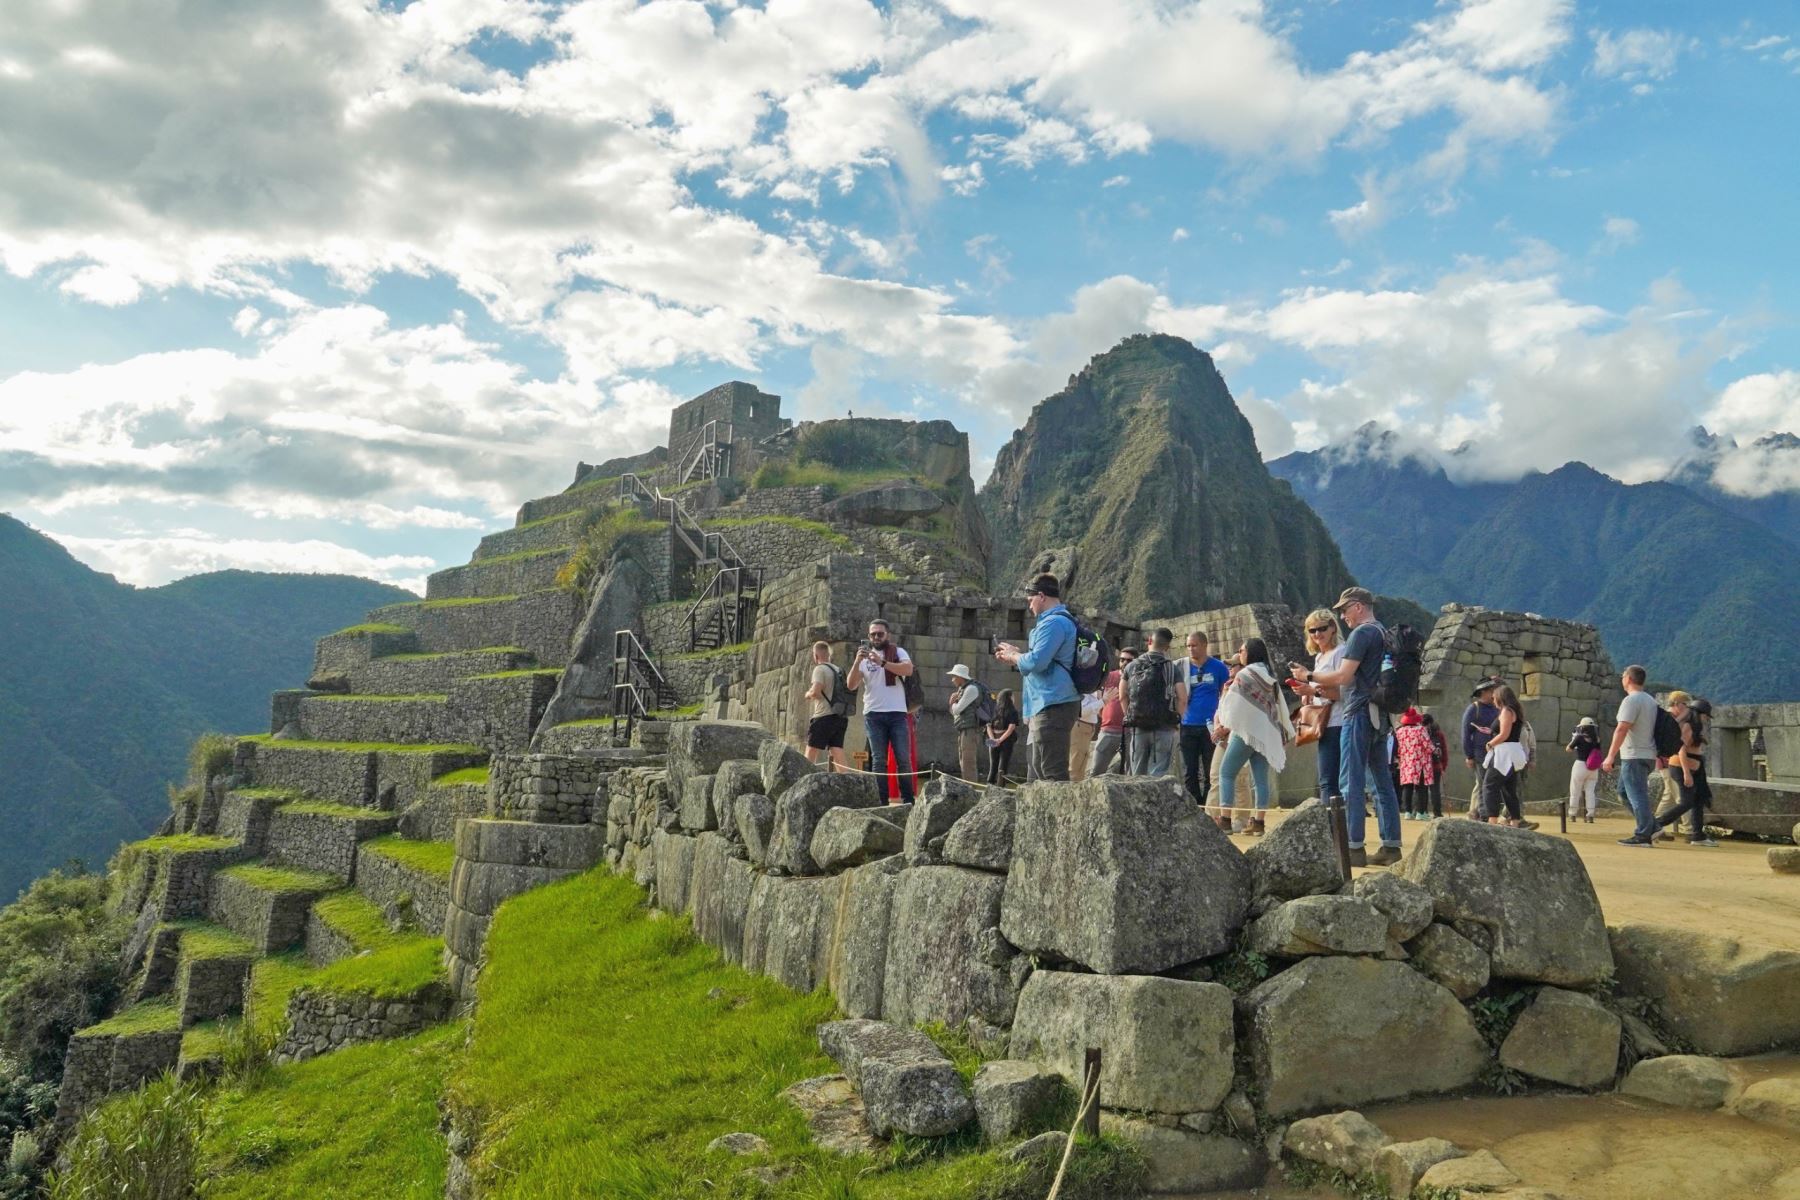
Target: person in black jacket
[(1584, 773)]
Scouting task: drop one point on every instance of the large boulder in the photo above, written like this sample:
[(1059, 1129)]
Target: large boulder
[(781, 766), (736, 777), (946, 960), (798, 811), (1722, 995), (753, 824), (719, 895), (1180, 1162), (1336, 1032), (1400, 1165), (788, 930), (982, 837), (1449, 958), (1407, 906), (1298, 857), (1343, 1141), (1320, 925), (1564, 1037), (1165, 1044), (1528, 889), (1771, 1102), (696, 812), (1682, 1080), (941, 803), (851, 1044), (849, 837), (1122, 875), (700, 747), (908, 1085), (1013, 1097), (892, 503), (859, 952)]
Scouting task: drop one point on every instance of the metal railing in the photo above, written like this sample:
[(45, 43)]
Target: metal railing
[(733, 593), (706, 454), (638, 687)]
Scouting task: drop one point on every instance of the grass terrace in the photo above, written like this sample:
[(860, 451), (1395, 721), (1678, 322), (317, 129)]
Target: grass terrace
[(817, 528), (518, 556), (272, 980), (265, 739), (433, 858), (283, 880), (179, 843), (356, 917), (149, 1016), (523, 673), (465, 775), (388, 658), (463, 601), (324, 808), (209, 1039), (394, 971), (368, 629), (542, 521), (199, 939), (383, 698)]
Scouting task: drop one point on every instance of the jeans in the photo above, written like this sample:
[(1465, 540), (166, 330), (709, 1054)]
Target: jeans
[(1583, 780), (1634, 781), (1236, 751), (1330, 762), (1151, 751), (889, 730), (1196, 758), (1106, 749), (1051, 727), (1365, 770)]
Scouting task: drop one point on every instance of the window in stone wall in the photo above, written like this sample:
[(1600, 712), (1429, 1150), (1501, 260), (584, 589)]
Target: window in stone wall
[(971, 623), (1531, 681)]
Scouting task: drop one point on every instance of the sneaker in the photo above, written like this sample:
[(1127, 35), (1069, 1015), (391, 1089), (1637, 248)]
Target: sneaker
[(1700, 840), (1663, 835), (1357, 857), (1528, 824), (1256, 827), (1634, 840), (1590, 818), (1385, 856)]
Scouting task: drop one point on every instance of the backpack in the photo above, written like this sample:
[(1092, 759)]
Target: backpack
[(1528, 739), (839, 704), (1149, 695), (985, 708), (1092, 657), (1667, 733), (1402, 657)]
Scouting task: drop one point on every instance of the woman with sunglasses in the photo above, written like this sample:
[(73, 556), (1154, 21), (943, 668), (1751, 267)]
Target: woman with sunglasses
[(1328, 653)]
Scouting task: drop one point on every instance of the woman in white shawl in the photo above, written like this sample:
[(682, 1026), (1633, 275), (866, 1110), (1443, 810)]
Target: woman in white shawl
[(1253, 723)]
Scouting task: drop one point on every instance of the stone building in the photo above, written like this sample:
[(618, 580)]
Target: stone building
[(750, 412)]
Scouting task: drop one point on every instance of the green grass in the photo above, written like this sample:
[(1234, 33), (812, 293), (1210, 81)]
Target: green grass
[(541, 521), (201, 940), (465, 601), (692, 1048), (886, 575), (282, 794), (180, 843), (818, 474), (517, 556), (384, 698), (355, 917), (150, 1016), (674, 714), (818, 528), (588, 485), (284, 880), (400, 968), (271, 743), (452, 653), (695, 655), (466, 775), (434, 858), (208, 1039), (520, 674), (368, 629), (356, 1124), (323, 808), (272, 980)]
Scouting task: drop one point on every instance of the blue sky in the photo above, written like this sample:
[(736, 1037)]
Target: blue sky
[(334, 285)]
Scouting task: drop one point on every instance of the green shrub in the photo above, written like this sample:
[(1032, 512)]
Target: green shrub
[(601, 531), (842, 445), (59, 968), (19, 1173), (210, 755), (145, 1146)]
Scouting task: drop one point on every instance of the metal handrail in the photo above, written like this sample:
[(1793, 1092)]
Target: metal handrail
[(629, 657), (746, 584)]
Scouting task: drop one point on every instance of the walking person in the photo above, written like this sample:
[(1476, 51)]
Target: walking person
[(829, 720), (1205, 676), (1047, 670), (965, 717), (1584, 772), (1687, 770), (879, 672), (1254, 724), (1504, 763), (1002, 737), (1418, 765), (1155, 697), (1440, 759), (1109, 746), (1477, 727), (1328, 653), (1633, 752)]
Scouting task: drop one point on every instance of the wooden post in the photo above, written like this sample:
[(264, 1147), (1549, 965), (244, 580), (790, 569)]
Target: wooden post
[(1340, 836), (1090, 1084)]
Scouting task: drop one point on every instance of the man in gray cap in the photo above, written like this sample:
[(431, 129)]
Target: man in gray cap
[(965, 705)]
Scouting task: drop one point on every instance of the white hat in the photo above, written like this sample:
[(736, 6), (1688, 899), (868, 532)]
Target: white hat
[(960, 672)]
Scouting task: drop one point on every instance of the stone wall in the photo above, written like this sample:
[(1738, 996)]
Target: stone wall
[(208, 988), (779, 501), (540, 622), (1226, 629), (544, 789), (98, 1065), (1743, 734), (322, 841), (320, 1021), (331, 718), (506, 577), (400, 889), (271, 921)]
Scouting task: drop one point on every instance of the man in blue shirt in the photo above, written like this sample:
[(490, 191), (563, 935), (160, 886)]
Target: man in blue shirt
[(1205, 676), (1051, 704)]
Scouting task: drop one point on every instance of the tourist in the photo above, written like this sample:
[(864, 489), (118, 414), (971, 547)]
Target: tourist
[(1363, 742), (1477, 727), (1633, 752), (1002, 737), (1205, 676), (1155, 697), (1109, 746), (1327, 651), (1440, 759), (1081, 741), (1047, 666), (1253, 723), (879, 673), (1687, 770), (830, 699), (1584, 772), (1504, 763), (1418, 765), (965, 717)]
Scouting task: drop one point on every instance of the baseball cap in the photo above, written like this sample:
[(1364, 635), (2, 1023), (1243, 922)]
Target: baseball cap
[(1352, 595)]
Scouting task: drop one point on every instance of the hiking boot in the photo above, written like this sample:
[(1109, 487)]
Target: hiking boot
[(1700, 839), (1357, 857), (1385, 856), (1255, 828)]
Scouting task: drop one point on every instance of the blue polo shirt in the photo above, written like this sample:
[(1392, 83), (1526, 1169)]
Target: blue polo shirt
[(1048, 661), (1204, 681)]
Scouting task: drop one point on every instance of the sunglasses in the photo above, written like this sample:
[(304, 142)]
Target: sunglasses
[(1318, 629)]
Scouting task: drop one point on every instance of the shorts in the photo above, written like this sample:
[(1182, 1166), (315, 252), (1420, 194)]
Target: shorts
[(827, 733)]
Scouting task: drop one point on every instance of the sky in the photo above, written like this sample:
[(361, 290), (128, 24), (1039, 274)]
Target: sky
[(334, 285)]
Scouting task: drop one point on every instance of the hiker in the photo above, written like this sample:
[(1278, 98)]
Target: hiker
[(1418, 765), (1254, 725), (1205, 676), (1002, 737), (1633, 752), (1110, 747), (1363, 743), (830, 698), (970, 709), (1504, 763), (1081, 741), (1047, 666), (1687, 770), (880, 672), (1477, 727), (1322, 720), (1155, 690), (1440, 759), (1584, 772)]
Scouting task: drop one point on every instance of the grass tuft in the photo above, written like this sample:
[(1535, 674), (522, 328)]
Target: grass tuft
[(180, 843), (201, 940), (369, 629), (434, 858), (284, 880), (466, 775), (149, 1016), (404, 966)]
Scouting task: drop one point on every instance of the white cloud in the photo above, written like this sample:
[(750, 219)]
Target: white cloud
[(1757, 404), (1180, 235), (1637, 55), (1617, 233), (1113, 181), (148, 561)]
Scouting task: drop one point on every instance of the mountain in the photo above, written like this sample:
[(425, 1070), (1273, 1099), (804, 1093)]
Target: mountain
[(1695, 592), (1759, 482), (103, 687), (1144, 466)]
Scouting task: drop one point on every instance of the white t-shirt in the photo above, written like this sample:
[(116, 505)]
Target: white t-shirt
[(878, 695), (1331, 660), (1640, 709)]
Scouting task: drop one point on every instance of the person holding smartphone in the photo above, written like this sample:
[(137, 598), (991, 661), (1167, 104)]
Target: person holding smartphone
[(879, 673)]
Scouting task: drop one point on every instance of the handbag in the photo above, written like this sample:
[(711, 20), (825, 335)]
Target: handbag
[(1595, 758), (1312, 723)]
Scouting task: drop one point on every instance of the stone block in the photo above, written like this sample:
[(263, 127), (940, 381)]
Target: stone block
[(1013, 1098), (1298, 856), (850, 837), (1450, 959), (852, 1044), (696, 812), (1682, 1080), (921, 1098), (753, 821), (1530, 890), (1342, 1141), (1771, 1102), (859, 950), (1166, 1044), (1121, 875), (1722, 995), (1407, 906), (1181, 1162), (983, 837), (701, 747), (736, 777), (1564, 1037), (1477, 1172), (789, 928), (1320, 925), (526, 844), (798, 811), (1400, 1165), (781, 766), (946, 959), (941, 803), (1326, 1034)]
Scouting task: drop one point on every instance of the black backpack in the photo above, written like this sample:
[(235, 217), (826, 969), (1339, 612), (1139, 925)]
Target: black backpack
[(1667, 733), (1149, 697), (1092, 658), (839, 704), (915, 691), (1402, 659)]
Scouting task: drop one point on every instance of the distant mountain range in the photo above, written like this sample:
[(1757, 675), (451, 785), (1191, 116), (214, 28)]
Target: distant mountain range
[(1691, 580), (104, 686)]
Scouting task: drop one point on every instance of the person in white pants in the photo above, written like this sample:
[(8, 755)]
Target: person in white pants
[(1584, 744)]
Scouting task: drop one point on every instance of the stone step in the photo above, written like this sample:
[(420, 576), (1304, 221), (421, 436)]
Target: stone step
[(214, 971), (396, 987), (573, 737), (168, 875), (388, 776), (424, 719), (336, 655), (117, 1055), (244, 815), (412, 674), (410, 879), (267, 905), (541, 622), (323, 837), (449, 799), (549, 533), (343, 925), (511, 575)]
